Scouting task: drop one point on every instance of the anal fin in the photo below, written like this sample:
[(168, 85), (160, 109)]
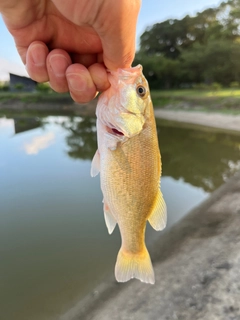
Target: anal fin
[(158, 217), (109, 218)]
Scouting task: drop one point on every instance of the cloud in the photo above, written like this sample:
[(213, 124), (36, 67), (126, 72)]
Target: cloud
[(7, 67), (39, 143)]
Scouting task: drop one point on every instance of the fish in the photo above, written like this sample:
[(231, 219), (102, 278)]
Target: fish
[(129, 162)]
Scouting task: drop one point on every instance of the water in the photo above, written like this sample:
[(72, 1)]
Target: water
[(54, 245)]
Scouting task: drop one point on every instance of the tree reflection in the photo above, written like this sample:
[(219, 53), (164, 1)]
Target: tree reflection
[(82, 138), (203, 159)]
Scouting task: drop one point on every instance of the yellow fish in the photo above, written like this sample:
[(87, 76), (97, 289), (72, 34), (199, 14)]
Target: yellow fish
[(129, 163)]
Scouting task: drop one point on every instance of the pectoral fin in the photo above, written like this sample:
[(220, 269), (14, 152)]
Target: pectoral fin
[(158, 217), (95, 168), (109, 218)]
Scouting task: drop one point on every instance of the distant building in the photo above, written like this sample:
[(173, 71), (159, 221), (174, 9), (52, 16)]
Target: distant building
[(19, 83)]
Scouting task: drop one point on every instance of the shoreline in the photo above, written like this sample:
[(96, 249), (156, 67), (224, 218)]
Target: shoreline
[(57, 105), (65, 105)]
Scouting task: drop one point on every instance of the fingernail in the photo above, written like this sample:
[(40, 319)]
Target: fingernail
[(76, 82), (58, 64), (38, 55)]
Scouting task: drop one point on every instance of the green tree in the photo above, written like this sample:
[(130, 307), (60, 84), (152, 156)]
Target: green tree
[(170, 37), (161, 72), (200, 49)]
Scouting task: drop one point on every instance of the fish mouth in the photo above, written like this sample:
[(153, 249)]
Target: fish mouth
[(116, 132)]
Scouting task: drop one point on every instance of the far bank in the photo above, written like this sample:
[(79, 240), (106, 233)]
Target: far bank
[(217, 110)]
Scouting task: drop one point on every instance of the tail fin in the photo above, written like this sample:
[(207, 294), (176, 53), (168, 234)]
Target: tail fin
[(136, 265)]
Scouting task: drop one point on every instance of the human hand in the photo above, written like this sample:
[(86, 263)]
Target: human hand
[(71, 43)]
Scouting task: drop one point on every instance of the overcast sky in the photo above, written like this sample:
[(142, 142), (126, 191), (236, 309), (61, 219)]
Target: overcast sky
[(152, 11)]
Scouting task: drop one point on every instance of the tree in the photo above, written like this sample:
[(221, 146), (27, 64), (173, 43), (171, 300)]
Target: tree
[(218, 61), (203, 48), (171, 37), (161, 72)]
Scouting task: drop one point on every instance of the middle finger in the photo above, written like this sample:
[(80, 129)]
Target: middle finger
[(57, 63)]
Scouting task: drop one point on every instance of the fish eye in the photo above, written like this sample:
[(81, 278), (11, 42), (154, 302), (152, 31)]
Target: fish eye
[(141, 91)]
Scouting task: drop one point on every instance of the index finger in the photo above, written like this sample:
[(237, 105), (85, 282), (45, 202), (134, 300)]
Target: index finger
[(118, 32)]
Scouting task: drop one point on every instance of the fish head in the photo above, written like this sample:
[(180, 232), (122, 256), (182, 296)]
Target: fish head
[(125, 105), (133, 90)]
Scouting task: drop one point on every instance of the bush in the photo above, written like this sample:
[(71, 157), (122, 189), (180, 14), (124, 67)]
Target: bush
[(4, 87), (200, 86), (19, 86), (234, 85), (43, 87), (215, 86)]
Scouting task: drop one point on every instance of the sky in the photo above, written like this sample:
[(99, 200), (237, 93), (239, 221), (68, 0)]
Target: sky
[(152, 11)]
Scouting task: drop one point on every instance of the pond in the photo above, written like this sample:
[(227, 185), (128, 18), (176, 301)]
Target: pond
[(54, 245)]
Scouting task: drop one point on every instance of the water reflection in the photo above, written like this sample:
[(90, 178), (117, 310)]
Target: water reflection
[(81, 137), (38, 143), (203, 159)]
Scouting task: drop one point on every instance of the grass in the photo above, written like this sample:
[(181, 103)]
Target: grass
[(198, 93), (8, 113), (225, 100), (30, 97)]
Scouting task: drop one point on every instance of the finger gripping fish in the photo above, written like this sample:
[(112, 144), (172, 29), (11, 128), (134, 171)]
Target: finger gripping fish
[(129, 163)]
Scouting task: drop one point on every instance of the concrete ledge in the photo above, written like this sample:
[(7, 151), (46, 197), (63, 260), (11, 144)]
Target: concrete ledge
[(214, 120), (197, 268)]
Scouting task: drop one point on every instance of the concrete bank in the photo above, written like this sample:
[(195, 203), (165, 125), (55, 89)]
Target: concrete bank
[(61, 105), (214, 120), (197, 268)]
